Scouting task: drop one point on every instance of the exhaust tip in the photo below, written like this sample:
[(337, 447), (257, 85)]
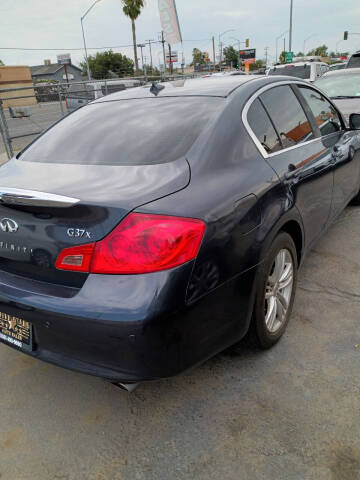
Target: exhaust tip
[(128, 387)]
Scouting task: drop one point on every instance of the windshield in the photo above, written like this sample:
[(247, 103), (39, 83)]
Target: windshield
[(301, 71), (340, 85), (126, 132)]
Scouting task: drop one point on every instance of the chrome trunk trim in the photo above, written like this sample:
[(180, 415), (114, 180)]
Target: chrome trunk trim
[(18, 196)]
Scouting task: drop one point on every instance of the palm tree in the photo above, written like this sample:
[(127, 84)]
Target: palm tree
[(132, 9)]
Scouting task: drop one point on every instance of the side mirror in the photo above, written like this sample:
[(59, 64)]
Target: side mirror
[(354, 121)]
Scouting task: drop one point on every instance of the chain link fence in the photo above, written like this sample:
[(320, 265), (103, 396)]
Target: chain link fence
[(25, 112)]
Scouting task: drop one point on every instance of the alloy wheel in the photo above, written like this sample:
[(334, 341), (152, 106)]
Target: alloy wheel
[(279, 287)]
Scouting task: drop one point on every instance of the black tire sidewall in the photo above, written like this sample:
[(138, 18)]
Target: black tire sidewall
[(266, 339)]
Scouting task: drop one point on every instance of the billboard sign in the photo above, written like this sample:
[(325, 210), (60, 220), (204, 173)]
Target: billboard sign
[(174, 57), (170, 21), (64, 59), (247, 54)]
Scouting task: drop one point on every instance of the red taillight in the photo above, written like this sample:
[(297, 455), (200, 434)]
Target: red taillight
[(139, 244)]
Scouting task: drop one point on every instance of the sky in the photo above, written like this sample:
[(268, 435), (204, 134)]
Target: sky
[(55, 24)]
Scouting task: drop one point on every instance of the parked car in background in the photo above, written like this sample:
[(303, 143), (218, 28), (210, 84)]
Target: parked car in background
[(337, 66), (305, 70), (354, 61), (80, 94), (153, 228), (343, 87)]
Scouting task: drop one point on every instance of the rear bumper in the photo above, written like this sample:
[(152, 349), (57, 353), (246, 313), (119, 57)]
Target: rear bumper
[(130, 328)]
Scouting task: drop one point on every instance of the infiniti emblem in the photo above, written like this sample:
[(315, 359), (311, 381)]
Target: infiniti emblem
[(8, 225)]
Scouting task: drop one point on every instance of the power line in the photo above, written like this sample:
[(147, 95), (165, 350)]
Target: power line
[(89, 48), (67, 49)]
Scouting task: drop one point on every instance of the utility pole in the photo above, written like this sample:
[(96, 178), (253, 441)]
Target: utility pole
[(284, 49), (163, 46), (266, 55), (66, 74), (151, 59), (145, 69), (291, 25), (170, 59), (214, 54), (220, 61), (141, 46)]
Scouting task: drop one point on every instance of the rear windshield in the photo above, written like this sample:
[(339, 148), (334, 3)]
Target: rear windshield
[(126, 132), (301, 71), (354, 62)]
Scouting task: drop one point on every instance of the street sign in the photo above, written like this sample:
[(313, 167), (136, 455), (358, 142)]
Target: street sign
[(289, 57), (174, 57), (64, 59), (247, 54)]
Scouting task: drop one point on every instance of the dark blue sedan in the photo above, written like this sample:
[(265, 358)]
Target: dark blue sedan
[(155, 227)]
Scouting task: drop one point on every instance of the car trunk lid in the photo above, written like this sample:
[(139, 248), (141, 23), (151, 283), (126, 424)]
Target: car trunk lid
[(45, 208)]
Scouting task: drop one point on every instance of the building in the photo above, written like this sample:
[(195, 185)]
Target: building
[(16, 76), (56, 72)]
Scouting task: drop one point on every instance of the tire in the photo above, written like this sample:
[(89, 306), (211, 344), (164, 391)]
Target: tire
[(270, 297)]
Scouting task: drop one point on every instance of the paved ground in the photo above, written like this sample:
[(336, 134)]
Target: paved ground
[(292, 413)]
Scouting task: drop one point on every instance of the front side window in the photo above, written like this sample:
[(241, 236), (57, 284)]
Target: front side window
[(261, 126), (326, 116), (287, 115)]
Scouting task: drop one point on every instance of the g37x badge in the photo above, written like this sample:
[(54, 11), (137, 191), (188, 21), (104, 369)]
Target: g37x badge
[(78, 233)]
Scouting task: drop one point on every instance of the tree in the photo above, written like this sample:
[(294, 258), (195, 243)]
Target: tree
[(230, 56), (1, 63), (132, 9), (259, 64), (282, 57), (198, 57), (105, 64), (318, 52), (300, 54)]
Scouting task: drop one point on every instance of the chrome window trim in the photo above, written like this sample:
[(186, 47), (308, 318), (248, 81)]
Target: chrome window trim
[(252, 134)]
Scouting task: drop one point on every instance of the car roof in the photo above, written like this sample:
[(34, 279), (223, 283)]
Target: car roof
[(344, 71), (209, 86)]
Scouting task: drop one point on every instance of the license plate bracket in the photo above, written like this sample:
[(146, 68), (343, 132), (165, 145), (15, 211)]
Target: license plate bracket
[(16, 332)]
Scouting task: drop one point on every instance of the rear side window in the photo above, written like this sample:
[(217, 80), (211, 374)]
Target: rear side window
[(126, 132), (261, 126), (326, 116), (287, 115)]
